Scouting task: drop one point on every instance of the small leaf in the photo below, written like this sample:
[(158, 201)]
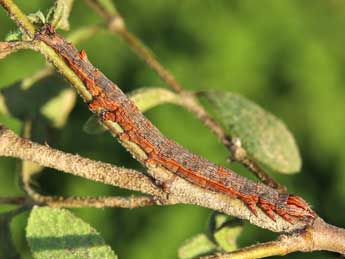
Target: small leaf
[(225, 230), (92, 126), (14, 35), (147, 98), (58, 108), (37, 18), (264, 137), (196, 246), (57, 233)]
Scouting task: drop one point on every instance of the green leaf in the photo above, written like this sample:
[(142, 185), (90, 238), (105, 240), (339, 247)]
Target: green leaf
[(37, 18), (196, 246), (147, 98), (225, 230), (57, 233), (14, 35), (11, 123), (264, 137), (58, 108)]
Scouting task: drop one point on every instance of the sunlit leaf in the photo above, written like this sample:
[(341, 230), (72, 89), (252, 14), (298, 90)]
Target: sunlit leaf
[(147, 98), (37, 18), (225, 230), (14, 35), (265, 137), (57, 233), (58, 108), (196, 246)]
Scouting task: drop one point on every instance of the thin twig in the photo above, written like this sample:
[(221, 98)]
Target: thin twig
[(117, 25), (96, 202), (13, 200)]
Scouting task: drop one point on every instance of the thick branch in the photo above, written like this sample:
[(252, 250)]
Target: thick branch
[(14, 146), (180, 191)]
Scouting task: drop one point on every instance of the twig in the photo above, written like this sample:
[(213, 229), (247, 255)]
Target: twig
[(95, 202), (117, 25), (28, 169), (13, 200), (315, 238), (7, 48)]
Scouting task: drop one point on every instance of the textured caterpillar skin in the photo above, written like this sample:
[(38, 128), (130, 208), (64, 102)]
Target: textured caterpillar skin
[(112, 105)]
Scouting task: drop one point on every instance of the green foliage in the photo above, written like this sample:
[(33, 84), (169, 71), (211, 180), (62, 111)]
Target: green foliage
[(224, 232), (263, 136), (196, 246), (58, 234)]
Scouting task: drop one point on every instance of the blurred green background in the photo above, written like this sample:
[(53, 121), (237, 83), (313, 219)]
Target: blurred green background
[(288, 56)]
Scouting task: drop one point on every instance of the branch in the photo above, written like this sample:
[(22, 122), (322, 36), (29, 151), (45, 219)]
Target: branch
[(319, 236), (180, 191), (11, 145), (117, 25), (95, 202)]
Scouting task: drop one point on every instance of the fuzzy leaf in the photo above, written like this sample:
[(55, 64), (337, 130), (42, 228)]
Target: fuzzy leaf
[(58, 108), (196, 246), (264, 136), (57, 233)]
